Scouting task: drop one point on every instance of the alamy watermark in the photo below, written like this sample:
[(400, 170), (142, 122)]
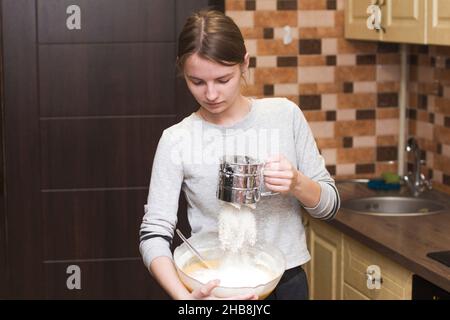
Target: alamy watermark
[(374, 279), (74, 279), (200, 145)]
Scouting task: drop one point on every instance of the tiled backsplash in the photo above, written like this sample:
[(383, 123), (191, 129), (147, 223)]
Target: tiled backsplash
[(348, 90), (429, 108)]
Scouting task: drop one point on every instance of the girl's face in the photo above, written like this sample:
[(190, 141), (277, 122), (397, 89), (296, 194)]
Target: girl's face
[(215, 87)]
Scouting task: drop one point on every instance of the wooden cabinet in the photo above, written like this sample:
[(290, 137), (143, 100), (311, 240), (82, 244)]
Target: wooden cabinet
[(438, 24), (342, 268), (393, 282), (325, 269), (355, 21), (403, 21)]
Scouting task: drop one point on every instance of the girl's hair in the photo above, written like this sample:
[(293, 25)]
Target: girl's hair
[(213, 36)]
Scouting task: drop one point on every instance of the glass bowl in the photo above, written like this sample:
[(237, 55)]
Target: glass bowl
[(257, 270)]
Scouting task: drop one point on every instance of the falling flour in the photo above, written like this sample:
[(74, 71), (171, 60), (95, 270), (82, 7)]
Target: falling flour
[(237, 228)]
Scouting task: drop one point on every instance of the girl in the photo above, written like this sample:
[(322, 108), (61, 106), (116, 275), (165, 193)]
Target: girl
[(213, 59)]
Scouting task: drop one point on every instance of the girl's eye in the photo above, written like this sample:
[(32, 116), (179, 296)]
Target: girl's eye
[(224, 81), (197, 83)]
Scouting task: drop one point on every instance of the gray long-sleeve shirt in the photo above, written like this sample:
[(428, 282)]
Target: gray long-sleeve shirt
[(187, 158)]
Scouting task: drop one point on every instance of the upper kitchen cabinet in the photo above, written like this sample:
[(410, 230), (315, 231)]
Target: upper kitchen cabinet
[(438, 22), (402, 21), (356, 21)]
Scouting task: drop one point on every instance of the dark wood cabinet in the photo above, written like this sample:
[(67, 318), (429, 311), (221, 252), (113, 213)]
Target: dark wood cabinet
[(83, 110)]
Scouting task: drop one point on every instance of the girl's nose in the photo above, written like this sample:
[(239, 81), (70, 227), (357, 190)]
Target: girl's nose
[(211, 92)]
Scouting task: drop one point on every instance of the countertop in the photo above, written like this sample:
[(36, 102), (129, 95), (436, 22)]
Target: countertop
[(405, 240)]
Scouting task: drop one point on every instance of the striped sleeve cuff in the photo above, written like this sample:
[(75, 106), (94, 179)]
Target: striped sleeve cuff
[(329, 202)]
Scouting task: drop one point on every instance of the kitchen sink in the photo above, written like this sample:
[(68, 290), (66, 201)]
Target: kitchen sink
[(394, 206)]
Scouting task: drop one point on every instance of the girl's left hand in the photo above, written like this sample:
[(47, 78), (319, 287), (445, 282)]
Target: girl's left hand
[(280, 175)]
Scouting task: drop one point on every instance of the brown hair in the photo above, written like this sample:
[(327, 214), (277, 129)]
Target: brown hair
[(212, 35)]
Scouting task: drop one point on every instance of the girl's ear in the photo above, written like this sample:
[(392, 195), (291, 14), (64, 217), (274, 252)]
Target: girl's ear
[(245, 64)]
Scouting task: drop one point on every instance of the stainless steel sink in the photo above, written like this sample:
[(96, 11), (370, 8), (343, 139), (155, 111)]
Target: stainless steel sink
[(394, 206)]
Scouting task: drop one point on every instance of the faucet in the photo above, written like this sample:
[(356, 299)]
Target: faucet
[(415, 180)]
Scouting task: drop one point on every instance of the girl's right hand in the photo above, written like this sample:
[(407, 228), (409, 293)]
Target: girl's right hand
[(205, 293)]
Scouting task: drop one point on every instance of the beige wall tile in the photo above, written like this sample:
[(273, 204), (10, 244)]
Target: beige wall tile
[(266, 5), (446, 150), (424, 130), (319, 88), (438, 119), (364, 87), (364, 141), (329, 46), (329, 155), (345, 169), (315, 74), (388, 73), (286, 89), (329, 101), (387, 127), (251, 46), (250, 77), (278, 33), (242, 18), (266, 61), (438, 176), (316, 18), (322, 129), (346, 114), (346, 60)]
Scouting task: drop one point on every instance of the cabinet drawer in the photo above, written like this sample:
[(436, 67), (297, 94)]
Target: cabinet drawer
[(351, 293), (396, 281)]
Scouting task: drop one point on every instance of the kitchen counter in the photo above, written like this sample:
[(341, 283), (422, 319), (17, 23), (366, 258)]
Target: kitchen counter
[(405, 240)]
